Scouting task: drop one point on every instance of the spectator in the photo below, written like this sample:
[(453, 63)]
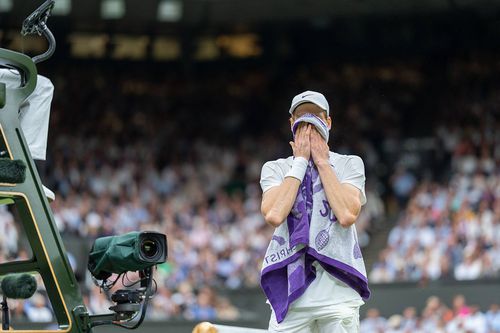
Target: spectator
[(204, 308), (409, 321), (469, 269), (394, 324), (225, 310), (476, 322), (373, 322), (37, 310), (460, 308), (435, 318), (493, 318), (403, 182)]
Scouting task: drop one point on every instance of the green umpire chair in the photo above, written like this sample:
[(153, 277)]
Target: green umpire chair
[(20, 185)]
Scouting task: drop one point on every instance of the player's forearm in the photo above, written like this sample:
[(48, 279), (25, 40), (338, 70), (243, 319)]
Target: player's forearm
[(279, 204), (344, 203)]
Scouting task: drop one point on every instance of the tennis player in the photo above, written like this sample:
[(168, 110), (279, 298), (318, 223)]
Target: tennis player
[(316, 282)]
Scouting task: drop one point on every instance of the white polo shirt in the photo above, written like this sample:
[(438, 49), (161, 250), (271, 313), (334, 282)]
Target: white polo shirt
[(325, 289)]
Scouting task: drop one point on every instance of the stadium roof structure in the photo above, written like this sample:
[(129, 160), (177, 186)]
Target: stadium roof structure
[(133, 15), (220, 30)]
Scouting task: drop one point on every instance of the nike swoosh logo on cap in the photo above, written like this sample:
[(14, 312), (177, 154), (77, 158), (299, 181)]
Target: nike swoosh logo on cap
[(306, 95)]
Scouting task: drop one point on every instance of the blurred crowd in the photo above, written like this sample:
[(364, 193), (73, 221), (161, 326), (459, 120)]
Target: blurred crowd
[(436, 317), (449, 227), (181, 153)]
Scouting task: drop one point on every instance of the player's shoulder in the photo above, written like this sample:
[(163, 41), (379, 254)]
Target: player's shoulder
[(280, 163), (342, 159)]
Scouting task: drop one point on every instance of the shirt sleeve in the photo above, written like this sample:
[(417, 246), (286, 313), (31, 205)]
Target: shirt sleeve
[(355, 175), (270, 176)]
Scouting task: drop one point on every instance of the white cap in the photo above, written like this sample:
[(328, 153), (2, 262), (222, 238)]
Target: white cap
[(310, 97)]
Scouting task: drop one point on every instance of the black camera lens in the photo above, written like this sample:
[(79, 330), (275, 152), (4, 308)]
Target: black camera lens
[(149, 248), (152, 247)]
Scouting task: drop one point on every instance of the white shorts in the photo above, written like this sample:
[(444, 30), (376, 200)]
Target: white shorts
[(34, 113), (339, 318)]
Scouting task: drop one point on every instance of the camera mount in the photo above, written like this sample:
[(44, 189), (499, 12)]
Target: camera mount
[(128, 304)]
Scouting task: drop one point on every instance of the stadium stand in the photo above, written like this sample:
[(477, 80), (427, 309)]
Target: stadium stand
[(436, 317), (449, 225), (119, 171)]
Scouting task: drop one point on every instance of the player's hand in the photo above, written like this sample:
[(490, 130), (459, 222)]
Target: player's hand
[(302, 145), (319, 148)]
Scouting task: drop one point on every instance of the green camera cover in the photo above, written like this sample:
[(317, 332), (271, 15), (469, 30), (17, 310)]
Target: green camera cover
[(119, 254)]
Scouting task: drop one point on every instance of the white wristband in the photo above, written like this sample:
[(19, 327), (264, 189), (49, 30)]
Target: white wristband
[(298, 170)]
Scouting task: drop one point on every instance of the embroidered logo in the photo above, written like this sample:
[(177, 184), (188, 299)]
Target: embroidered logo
[(279, 239)]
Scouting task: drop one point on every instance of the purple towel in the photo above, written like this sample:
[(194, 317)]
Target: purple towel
[(297, 270)]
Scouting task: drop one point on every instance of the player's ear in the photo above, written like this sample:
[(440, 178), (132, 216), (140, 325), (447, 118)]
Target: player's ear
[(291, 122), (329, 122)]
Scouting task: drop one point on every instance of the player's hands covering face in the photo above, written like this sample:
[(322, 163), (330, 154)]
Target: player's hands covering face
[(319, 148), (302, 145)]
